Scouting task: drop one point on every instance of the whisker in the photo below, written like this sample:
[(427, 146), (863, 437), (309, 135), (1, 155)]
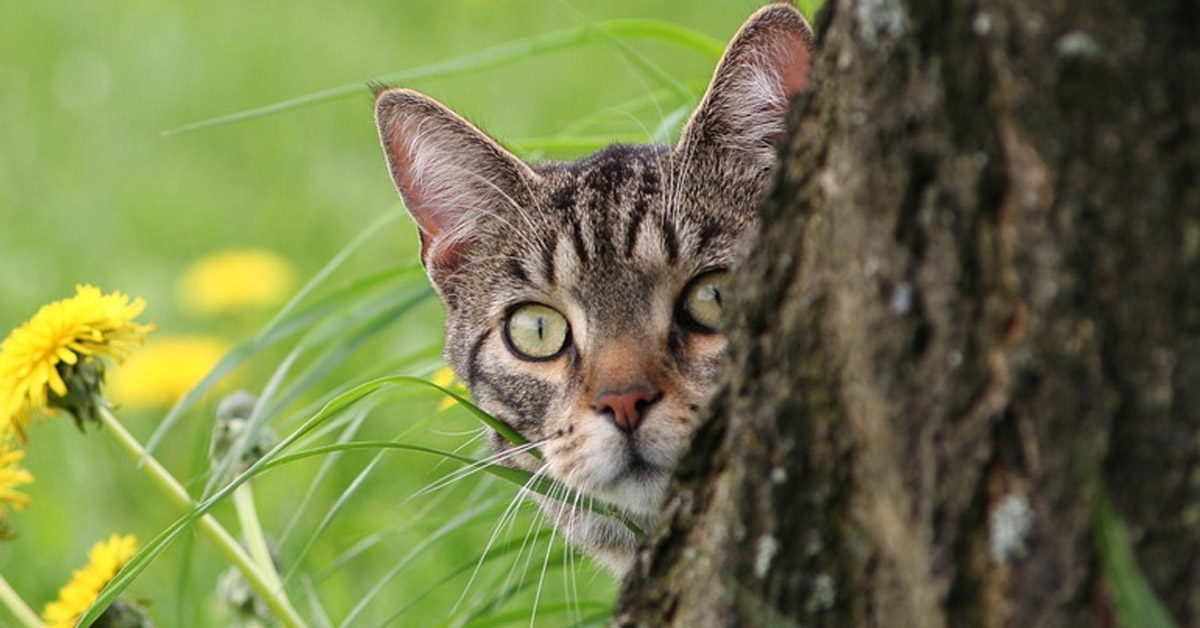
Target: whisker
[(475, 467), (477, 434), (537, 596), (508, 515), (533, 525), (570, 579)]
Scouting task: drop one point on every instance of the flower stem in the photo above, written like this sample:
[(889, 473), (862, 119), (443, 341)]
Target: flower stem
[(256, 541), (19, 608), (274, 596)]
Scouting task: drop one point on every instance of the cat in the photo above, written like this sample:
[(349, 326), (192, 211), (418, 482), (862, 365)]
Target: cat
[(584, 299)]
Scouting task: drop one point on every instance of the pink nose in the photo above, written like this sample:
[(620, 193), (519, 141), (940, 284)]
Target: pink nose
[(627, 406)]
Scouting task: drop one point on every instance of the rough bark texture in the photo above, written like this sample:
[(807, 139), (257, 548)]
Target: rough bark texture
[(974, 307)]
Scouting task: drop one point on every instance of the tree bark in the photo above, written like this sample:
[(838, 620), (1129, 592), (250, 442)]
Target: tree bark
[(971, 314)]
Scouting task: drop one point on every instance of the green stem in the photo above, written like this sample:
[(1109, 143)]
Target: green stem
[(19, 608), (273, 596), (256, 541)]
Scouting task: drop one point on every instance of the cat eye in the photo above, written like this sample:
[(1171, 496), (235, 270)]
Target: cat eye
[(703, 302), (535, 332)]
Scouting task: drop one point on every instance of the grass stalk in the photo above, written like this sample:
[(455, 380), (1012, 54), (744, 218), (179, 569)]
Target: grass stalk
[(256, 540), (18, 607), (274, 597)]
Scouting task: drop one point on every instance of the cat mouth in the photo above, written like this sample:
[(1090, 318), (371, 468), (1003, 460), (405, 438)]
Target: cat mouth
[(638, 486), (636, 469)]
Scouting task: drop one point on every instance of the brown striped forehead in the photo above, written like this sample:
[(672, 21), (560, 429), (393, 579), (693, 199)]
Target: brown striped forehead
[(627, 207), (613, 231)]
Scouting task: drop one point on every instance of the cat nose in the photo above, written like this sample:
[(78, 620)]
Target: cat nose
[(626, 407)]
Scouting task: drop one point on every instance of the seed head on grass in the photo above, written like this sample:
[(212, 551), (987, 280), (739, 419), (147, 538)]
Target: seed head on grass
[(55, 360)]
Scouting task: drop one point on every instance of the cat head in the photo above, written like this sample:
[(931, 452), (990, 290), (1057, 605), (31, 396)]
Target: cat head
[(584, 299)]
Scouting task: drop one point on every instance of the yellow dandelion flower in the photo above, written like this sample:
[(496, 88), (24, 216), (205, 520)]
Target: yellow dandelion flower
[(444, 377), (237, 279), (53, 359), (164, 370), (11, 476), (104, 561)]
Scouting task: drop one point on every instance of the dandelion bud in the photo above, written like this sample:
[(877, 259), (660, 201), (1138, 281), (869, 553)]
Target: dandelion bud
[(230, 433), (246, 608), (124, 615)]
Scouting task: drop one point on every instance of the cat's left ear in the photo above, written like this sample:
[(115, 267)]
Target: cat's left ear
[(452, 176), (767, 63)]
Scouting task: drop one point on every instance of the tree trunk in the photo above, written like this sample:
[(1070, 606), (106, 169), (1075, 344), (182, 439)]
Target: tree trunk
[(972, 316)]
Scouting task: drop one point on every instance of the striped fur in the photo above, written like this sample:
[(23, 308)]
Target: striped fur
[(611, 242)]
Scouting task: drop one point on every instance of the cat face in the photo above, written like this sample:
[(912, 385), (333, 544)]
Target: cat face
[(584, 299), (588, 320)]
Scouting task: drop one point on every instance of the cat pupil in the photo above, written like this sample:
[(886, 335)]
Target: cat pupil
[(541, 327)]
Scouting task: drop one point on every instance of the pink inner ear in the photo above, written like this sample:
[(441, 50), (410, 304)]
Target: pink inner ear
[(791, 57), (795, 66), (431, 219), (401, 161)]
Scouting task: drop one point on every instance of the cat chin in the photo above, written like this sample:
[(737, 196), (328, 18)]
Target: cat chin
[(640, 490)]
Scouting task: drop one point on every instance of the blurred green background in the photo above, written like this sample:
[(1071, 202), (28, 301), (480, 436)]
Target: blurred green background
[(92, 191)]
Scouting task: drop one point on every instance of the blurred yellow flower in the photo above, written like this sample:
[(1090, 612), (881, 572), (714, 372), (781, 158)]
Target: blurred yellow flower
[(236, 279), (164, 370), (53, 360), (11, 476), (104, 561), (444, 377)]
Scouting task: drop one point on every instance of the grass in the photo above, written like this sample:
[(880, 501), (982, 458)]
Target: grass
[(92, 190), (140, 139)]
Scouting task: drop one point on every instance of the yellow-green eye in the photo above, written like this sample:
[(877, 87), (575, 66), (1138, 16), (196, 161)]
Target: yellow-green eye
[(704, 300), (536, 332)]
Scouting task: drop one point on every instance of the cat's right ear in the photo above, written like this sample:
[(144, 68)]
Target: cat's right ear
[(766, 64), (451, 175)]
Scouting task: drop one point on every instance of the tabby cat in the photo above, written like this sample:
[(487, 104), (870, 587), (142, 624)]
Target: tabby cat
[(584, 299)]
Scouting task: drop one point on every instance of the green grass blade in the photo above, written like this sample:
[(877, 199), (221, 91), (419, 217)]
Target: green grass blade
[(639, 61), (655, 100), (497, 601), (572, 143), (1135, 601), (148, 554), (597, 619), (326, 468), (159, 544), (331, 514), (378, 315), (504, 429), (283, 325), (363, 546), (494, 553), (320, 616), (342, 500), (521, 616), (672, 122), (422, 360), (427, 543), (487, 59), (519, 477), (337, 260), (336, 355)]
